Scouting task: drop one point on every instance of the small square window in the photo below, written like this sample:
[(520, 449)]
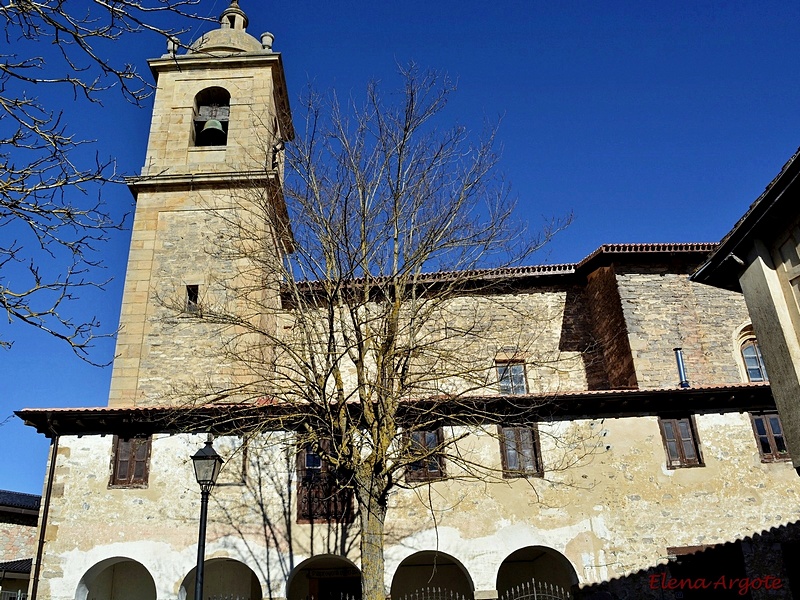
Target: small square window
[(520, 452), (511, 378), (769, 435), (313, 462), (427, 445), (130, 462), (680, 442)]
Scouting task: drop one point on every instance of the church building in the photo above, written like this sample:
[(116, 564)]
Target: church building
[(656, 455)]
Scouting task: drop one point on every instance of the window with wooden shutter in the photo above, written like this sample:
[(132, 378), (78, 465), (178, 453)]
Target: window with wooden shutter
[(130, 462), (680, 442), (320, 495), (427, 445), (769, 435), (520, 452)]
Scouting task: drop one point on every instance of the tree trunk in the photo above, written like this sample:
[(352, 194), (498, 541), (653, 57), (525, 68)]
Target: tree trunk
[(373, 516)]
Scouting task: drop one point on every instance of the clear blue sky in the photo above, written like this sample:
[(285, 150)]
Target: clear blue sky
[(651, 121)]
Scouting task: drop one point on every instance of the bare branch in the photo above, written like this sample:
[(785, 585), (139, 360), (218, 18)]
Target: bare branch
[(375, 341), (51, 217)]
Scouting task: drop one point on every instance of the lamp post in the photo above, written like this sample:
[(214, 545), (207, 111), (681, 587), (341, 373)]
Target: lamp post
[(207, 464)]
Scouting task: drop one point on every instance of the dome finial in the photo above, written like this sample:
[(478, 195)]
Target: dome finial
[(233, 17)]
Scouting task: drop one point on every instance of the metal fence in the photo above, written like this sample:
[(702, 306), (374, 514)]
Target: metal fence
[(531, 590), (536, 590), (432, 593), (13, 596)]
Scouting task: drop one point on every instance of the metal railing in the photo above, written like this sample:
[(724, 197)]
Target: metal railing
[(536, 590), (432, 593)]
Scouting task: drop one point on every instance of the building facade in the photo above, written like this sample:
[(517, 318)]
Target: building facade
[(760, 257), (628, 464), (18, 519)]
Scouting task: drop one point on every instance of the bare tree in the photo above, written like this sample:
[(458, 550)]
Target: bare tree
[(382, 323), (51, 217)]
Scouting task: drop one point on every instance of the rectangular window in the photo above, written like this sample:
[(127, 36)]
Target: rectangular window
[(320, 497), (520, 452), (511, 378), (130, 462), (680, 441), (769, 435), (427, 445), (193, 299)]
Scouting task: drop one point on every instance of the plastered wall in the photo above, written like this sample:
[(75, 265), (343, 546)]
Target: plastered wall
[(607, 503)]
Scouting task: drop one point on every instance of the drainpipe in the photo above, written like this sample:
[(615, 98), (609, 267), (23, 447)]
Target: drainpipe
[(43, 522), (684, 382)]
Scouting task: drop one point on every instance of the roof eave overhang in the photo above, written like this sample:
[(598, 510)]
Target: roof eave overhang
[(238, 418), (770, 212), (641, 254)]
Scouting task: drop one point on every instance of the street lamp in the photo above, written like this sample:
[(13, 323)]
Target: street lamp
[(207, 464)]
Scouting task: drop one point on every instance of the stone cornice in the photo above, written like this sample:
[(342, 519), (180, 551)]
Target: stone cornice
[(200, 60), (194, 181)]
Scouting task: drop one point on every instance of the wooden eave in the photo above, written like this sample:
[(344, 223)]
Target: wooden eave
[(771, 213), (224, 419)]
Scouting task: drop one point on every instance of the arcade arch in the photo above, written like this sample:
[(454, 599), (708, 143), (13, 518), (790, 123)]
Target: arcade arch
[(324, 577), (117, 578), (535, 563), (431, 569), (223, 578)]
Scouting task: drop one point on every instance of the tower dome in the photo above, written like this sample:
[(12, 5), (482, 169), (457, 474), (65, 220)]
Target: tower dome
[(231, 36)]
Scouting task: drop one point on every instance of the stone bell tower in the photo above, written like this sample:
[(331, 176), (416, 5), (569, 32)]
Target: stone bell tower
[(220, 119)]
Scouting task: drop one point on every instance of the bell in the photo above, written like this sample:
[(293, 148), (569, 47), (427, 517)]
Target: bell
[(212, 134)]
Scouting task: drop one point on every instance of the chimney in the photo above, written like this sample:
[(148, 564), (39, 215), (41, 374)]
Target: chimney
[(684, 382)]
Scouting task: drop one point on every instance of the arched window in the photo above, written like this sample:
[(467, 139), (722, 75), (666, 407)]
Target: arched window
[(753, 363), (212, 108)]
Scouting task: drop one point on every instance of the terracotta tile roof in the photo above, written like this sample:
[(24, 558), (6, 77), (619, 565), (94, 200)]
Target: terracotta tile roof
[(22, 565), (638, 580), (220, 418), (546, 270), (19, 500), (755, 205), (667, 247)]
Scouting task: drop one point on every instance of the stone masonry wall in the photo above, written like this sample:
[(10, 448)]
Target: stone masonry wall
[(179, 239), (173, 239), (578, 335), (610, 329), (252, 129), (17, 537), (664, 310)]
